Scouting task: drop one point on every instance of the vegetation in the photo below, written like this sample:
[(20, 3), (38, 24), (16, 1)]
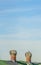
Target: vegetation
[(2, 62)]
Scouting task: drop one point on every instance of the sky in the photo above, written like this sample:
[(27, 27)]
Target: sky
[(20, 28)]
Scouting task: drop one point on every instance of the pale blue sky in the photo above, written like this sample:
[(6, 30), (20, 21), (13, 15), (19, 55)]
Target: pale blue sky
[(20, 28)]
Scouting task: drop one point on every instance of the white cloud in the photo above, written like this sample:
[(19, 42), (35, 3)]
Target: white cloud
[(15, 10), (21, 31), (23, 34), (29, 19), (16, 0), (1, 25), (19, 10), (24, 0)]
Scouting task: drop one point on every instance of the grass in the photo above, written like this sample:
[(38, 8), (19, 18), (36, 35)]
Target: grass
[(2, 62)]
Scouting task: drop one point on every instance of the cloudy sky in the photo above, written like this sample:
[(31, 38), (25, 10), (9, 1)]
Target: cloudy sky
[(20, 28)]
